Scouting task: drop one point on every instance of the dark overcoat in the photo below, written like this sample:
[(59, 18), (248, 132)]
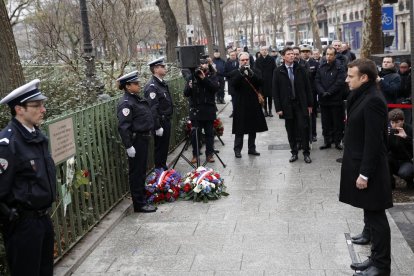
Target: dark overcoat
[(365, 151), (282, 90), (248, 114), (266, 65)]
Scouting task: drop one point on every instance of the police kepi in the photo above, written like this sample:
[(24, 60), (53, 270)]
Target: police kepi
[(130, 77), (158, 61), (28, 185), (27, 93)]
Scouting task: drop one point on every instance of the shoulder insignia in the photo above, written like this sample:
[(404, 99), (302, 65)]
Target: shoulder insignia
[(126, 111), (152, 95), (152, 84), (3, 165), (5, 137)]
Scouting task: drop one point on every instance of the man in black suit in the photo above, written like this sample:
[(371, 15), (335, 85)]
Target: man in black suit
[(293, 99), (365, 179), (266, 64)]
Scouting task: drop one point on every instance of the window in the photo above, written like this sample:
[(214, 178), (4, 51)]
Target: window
[(361, 12), (351, 16), (344, 17), (356, 15)]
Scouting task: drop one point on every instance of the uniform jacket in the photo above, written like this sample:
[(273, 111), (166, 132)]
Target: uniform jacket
[(27, 170), (330, 79), (405, 89), (282, 90), (134, 117), (230, 66), (366, 152), (248, 114), (390, 84), (160, 100), (266, 65), (202, 101)]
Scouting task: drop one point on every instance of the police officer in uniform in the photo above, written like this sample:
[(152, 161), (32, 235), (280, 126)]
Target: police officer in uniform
[(28, 184), (157, 93), (136, 124)]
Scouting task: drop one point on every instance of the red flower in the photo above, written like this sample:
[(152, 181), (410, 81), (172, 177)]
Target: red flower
[(187, 188), (85, 173)]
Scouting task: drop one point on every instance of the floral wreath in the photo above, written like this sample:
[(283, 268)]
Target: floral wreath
[(163, 186)]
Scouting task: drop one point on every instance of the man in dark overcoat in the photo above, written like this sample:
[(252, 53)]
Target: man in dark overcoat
[(293, 99), (365, 179), (248, 114), (265, 64), (231, 64)]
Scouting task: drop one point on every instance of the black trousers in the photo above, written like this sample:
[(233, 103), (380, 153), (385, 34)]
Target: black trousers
[(380, 238), (268, 104), (220, 92), (29, 244), (403, 169), (297, 128), (314, 114), (238, 142), (138, 171), (332, 123), (161, 145), (209, 135)]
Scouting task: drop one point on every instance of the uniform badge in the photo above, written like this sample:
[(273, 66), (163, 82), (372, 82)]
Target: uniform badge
[(3, 164), (152, 95), (126, 111)]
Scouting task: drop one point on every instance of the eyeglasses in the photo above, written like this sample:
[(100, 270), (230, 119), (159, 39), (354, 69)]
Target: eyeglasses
[(38, 105), (244, 59)]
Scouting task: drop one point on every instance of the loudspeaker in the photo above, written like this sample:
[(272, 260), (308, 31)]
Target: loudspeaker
[(189, 56)]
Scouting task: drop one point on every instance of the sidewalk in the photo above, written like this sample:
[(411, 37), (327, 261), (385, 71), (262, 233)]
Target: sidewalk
[(280, 219)]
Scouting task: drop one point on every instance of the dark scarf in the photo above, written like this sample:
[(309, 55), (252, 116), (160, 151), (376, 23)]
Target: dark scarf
[(385, 72)]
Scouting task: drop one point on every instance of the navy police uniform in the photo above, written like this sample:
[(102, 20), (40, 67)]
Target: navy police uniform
[(135, 128), (156, 91), (27, 191)]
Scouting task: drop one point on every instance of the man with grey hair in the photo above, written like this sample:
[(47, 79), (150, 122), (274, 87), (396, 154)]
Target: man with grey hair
[(265, 64), (337, 44), (248, 115)]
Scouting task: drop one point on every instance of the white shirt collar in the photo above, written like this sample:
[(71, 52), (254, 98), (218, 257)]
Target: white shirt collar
[(29, 129)]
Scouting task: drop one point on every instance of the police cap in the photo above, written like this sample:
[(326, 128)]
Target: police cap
[(26, 93), (158, 61), (305, 48), (130, 77)]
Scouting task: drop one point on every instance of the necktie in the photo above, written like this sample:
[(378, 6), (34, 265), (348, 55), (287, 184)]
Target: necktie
[(292, 81)]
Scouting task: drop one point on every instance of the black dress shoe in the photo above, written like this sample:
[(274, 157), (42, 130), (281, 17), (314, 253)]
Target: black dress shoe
[(361, 241), (145, 209), (373, 271), (314, 139), (231, 115), (293, 158), (307, 159), (266, 114), (362, 266), (357, 237), (339, 147), (270, 114), (254, 153), (237, 154), (325, 146)]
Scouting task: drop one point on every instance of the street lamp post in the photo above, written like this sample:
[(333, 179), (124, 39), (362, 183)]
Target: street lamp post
[(188, 19), (212, 22)]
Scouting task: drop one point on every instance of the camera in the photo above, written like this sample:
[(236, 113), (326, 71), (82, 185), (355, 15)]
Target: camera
[(393, 131)]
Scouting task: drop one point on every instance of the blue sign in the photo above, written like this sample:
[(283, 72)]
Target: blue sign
[(388, 18)]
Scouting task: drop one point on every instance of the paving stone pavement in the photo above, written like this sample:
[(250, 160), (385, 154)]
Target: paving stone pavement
[(281, 218)]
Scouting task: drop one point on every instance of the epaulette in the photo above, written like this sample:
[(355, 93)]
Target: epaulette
[(5, 136)]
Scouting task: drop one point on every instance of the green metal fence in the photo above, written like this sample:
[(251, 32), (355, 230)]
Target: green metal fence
[(100, 152)]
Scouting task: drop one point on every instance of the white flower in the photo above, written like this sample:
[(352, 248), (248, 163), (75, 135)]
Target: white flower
[(212, 186), (170, 191), (197, 189)]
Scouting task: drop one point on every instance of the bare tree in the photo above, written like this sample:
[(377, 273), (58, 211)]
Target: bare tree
[(315, 26), (11, 70), (19, 6), (372, 29), (171, 29), (206, 27), (220, 28)]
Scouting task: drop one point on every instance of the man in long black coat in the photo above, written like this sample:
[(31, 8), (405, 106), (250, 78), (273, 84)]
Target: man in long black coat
[(365, 179), (293, 98), (248, 114), (265, 64)]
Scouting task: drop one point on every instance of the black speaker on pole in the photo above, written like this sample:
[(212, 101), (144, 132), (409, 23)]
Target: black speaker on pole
[(189, 56)]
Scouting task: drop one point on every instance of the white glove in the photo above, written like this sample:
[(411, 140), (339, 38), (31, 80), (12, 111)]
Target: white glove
[(131, 152), (159, 131)]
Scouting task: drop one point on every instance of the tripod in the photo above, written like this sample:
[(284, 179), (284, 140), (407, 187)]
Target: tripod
[(187, 143)]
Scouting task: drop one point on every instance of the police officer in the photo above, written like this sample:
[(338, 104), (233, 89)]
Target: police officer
[(28, 184), (203, 107), (135, 128), (157, 93)]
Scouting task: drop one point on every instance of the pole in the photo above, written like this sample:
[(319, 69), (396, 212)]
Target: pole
[(188, 18), (412, 58)]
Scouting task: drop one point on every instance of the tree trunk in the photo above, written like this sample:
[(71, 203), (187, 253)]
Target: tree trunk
[(11, 75), (206, 27), (171, 29), (372, 29), (315, 27), (220, 28)]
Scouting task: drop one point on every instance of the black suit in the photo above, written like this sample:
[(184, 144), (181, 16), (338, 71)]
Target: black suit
[(295, 108), (366, 154)]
